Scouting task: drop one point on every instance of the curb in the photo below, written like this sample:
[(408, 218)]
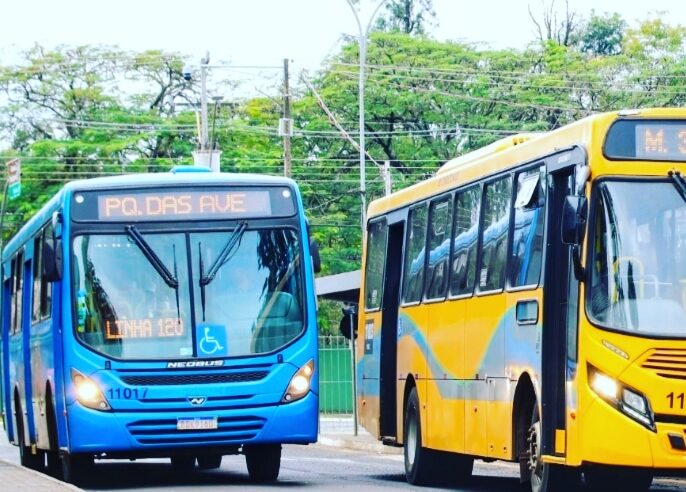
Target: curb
[(33, 475), (359, 444)]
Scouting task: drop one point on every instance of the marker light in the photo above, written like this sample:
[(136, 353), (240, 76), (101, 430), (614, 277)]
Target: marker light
[(88, 393), (627, 400), (299, 385)]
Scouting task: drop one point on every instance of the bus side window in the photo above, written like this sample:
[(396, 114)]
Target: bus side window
[(41, 301), (527, 243), (17, 289), (496, 225), (413, 271), (465, 229), (376, 264), (439, 248)]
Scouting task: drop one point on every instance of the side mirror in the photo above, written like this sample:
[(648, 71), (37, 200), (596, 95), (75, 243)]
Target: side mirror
[(348, 324), (52, 259), (574, 216), (56, 223), (316, 259)]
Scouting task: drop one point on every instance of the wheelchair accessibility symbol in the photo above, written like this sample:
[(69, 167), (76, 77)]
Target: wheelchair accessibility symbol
[(211, 340)]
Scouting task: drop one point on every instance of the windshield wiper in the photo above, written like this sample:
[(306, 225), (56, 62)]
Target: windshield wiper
[(679, 183), (225, 255), (168, 277)]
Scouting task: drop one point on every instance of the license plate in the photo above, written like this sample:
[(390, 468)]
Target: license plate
[(196, 423)]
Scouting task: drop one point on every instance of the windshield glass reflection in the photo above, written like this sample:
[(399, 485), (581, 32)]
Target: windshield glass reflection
[(638, 259), (254, 300)]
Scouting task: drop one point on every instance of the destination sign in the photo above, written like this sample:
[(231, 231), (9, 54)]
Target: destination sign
[(144, 328), (166, 205), (647, 140)]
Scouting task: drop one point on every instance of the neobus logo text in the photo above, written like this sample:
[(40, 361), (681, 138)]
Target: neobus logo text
[(194, 363)]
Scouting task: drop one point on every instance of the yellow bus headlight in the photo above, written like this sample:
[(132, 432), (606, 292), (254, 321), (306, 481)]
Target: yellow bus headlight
[(627, 400), (88, 393), (300, 383)]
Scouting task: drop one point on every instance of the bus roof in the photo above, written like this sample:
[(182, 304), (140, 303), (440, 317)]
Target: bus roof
[(512, 151), (43, 215)]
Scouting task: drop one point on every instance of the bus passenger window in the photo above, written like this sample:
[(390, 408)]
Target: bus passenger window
[(413, 272), (439, 248), (376, 263), (463, 260), (527, 242), (494, 234)]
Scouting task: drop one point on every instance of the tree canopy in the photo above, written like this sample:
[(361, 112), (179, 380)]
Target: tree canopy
[(79, 112)]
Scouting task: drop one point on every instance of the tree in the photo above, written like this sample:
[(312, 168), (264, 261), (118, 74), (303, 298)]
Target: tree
[(407, 16), (549, 28), (602, 35)]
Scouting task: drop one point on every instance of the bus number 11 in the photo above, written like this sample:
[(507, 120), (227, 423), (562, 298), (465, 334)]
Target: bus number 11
[(680, 397)]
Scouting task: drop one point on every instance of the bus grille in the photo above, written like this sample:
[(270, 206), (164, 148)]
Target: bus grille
[(229, 430), (667, 363), (179, 379)]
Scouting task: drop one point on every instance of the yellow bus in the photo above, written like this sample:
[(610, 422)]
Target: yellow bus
[(528, 304)]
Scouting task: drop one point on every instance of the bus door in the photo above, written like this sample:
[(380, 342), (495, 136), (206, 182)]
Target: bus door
[(560, 294), (26, 347), (388, 360)]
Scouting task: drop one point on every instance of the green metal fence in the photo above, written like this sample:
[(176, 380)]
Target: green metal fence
[(335, 376)]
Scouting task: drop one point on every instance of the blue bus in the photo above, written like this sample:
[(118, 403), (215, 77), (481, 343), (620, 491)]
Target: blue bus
[(161, 315)]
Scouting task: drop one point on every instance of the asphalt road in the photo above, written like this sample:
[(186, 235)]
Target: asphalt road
[(315, 467)]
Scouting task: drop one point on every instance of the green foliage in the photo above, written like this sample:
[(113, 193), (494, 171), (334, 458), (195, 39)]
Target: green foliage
[(602, 35), (64, 111)]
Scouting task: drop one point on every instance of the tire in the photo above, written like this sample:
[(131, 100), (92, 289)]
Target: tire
[(602, 478), (451, 469), (76, 468), (54, 462), (182, 462), (263, 462), (209, 461), (546, 477), (419, 467), (28, 460)]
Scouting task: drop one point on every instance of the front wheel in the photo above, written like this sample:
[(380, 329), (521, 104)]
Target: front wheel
[(601, 478), (209, 461), (263, 461), (76, 468), (546, 477)]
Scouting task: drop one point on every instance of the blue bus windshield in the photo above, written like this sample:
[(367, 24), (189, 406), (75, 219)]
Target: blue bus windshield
[(125, 309)]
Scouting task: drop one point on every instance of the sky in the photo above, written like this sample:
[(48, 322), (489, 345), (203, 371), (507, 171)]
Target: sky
[(264, 32)]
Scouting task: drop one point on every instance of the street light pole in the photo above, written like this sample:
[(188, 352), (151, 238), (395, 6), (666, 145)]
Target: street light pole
[(362, 40)]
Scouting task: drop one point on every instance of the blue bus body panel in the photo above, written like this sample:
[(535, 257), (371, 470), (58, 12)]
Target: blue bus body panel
[(148, 398)]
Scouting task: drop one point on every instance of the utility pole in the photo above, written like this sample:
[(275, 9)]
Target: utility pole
[(288, 123), (204, 156), (204, 62)]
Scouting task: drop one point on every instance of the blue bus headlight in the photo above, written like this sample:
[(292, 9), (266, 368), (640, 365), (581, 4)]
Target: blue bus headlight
[(88, 393), (299, 385), (627, 400)]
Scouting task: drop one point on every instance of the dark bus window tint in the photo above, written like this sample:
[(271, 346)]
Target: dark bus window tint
[(376, 263), (439, 248), (463, 260), (36, 265), (496, 223), (46, 287), (17, 291), (527, 238), (413, 279)]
